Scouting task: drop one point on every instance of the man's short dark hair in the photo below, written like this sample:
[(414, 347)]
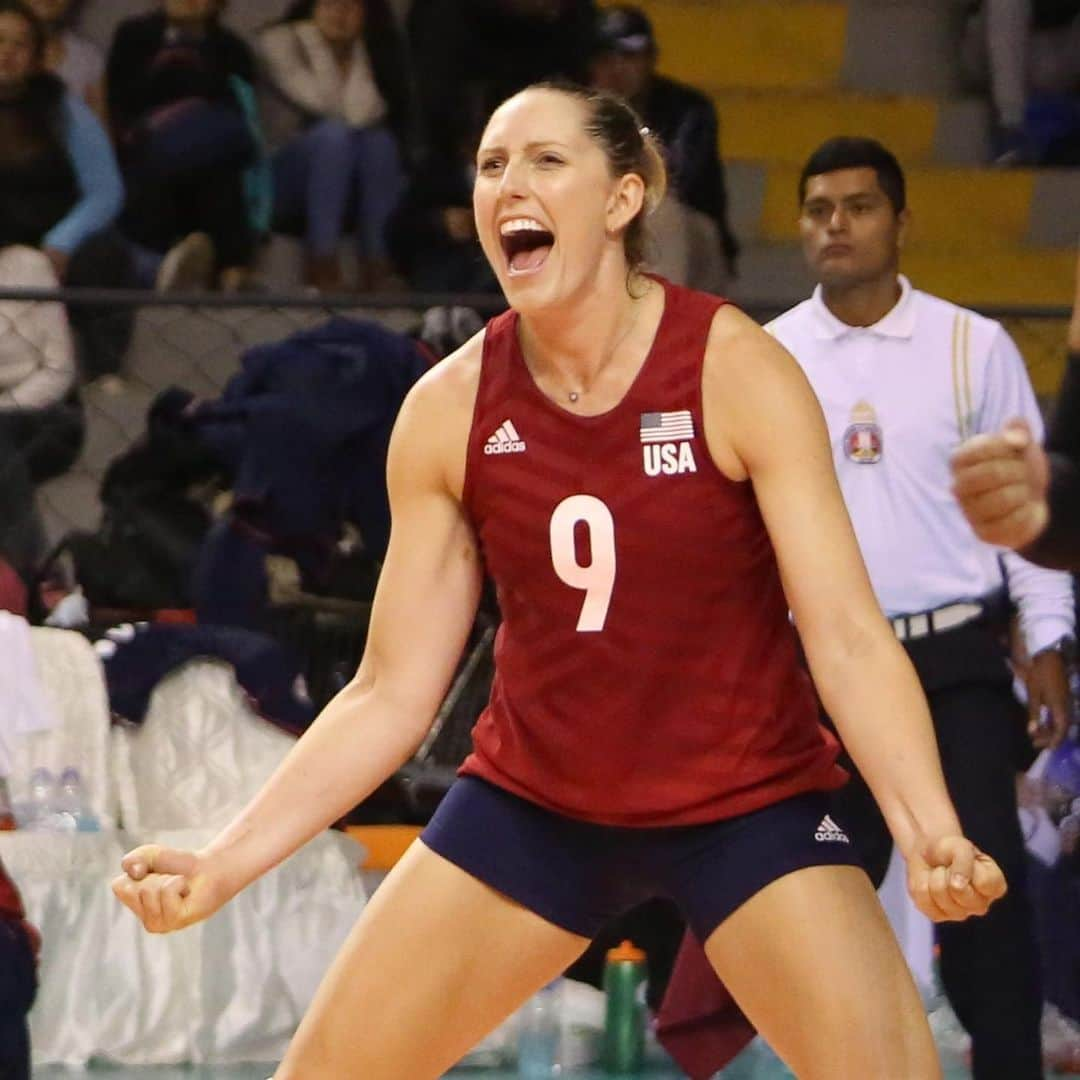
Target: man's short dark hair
[(857, 152)]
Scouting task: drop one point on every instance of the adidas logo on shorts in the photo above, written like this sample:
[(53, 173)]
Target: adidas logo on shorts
[(506, 440), (828, 832)]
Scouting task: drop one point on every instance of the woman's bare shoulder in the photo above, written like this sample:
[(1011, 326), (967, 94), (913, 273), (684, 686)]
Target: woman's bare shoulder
[(451, 385), (740, 353), (436, 418), (753, 390)]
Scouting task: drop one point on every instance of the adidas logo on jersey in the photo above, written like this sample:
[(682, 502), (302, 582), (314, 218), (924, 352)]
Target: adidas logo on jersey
[(506, 440), (830, 833)]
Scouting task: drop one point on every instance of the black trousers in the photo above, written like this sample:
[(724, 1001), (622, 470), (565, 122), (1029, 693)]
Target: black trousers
[(162, 209), (989, 965)]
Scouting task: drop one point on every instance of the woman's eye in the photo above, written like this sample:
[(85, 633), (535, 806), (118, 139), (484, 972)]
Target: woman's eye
[(550, 159), (490, 165)]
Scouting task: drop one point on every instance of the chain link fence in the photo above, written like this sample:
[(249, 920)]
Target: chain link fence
[(196, 343)]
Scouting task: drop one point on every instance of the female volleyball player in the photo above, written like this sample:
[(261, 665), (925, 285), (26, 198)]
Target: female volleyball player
[(639, 467)]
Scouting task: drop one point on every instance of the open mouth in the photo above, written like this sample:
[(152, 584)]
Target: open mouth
[(526, 245)]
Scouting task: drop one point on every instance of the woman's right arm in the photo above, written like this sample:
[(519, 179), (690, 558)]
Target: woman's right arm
[(424, 607)]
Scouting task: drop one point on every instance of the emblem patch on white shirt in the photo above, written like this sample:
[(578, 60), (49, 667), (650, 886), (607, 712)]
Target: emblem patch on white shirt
[(863, 441)]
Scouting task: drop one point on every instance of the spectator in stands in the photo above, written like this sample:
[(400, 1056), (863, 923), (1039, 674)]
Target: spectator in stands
[(337, 72), (41, 423), (60, 190), (1027, 49), (469, 55), (177, 85), (624, 62), (433, 234), (77, 62)]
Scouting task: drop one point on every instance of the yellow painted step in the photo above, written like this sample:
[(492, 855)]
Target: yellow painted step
[(963, 210), (1042, 343), (1037, 277), (785, 127), (748, 45)]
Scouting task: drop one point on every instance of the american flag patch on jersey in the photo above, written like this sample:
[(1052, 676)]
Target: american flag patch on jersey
[(667, 426)]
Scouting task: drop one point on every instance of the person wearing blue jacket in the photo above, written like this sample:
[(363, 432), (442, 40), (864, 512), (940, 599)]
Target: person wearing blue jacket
[(60, 187)]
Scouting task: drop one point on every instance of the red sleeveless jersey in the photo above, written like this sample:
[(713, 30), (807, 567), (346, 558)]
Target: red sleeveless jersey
[(646, 672)]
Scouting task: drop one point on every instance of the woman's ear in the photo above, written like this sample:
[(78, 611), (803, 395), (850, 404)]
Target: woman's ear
[(626, 201)]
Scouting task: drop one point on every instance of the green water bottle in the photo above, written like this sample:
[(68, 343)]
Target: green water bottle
[(624, 1021)]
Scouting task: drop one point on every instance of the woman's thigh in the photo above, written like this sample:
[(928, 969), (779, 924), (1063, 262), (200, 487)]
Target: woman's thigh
[(813, 963), (435, 962)]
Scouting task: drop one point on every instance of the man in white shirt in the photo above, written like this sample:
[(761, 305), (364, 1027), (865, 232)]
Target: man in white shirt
[(903, 379)]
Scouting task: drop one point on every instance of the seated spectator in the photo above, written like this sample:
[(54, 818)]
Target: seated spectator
[(433, 234), (60, 189), (1029, 53), (336, 69), (78, 63), (469, 55), (176, 85), (624, 62), (41, 422)]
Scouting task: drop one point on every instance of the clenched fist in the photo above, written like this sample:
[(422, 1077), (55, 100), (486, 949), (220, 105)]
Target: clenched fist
[(1001, 482), (170, 889), (950, 880)]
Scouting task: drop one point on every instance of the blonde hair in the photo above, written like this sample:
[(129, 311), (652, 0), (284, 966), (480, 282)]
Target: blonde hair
[(629, 147)]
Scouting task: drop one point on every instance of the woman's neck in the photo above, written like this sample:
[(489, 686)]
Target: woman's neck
[(574, 348)]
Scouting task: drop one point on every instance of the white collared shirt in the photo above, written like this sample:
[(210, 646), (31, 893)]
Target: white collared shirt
[(898, 398)]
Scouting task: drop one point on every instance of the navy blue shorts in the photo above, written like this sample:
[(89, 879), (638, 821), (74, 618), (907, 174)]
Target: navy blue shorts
[(579, 875)]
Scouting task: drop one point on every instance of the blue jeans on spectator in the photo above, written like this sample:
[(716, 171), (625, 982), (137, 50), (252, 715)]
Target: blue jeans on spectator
[(332, 174)]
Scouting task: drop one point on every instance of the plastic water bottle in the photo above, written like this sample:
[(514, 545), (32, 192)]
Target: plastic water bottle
[(70, 802), (41, 791), (625, 975), (539, 1031)]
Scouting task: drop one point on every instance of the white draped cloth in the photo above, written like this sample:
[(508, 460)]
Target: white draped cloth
[(231, 989)]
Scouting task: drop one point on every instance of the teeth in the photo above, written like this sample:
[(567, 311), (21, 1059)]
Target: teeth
[(517, 225)]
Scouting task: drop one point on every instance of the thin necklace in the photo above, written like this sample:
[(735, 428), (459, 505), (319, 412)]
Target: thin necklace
[(574, 395)]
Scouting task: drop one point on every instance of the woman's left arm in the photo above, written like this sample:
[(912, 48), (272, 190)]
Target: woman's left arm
[(100, 187), (763, 421)]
